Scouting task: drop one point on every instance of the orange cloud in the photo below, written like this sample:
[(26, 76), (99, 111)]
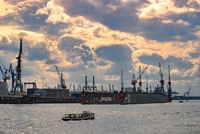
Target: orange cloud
[(161, 9), (6, 8)]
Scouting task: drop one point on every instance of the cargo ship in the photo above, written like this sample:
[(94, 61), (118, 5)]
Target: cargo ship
[(129, 97), (99, 97)]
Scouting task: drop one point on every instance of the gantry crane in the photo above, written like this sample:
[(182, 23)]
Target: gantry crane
[(147, 84), (85, 87), (161, 79), (13, 75), (18, 82), (4, 72), (134, 80), (60, 78), (169, 86), (186, 94), (94, 87), (122, 81)]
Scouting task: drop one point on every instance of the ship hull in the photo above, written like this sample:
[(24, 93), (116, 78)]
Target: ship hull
[(130, 98), (142, 98)]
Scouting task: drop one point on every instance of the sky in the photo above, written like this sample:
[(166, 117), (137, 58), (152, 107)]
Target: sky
[(101, 37)]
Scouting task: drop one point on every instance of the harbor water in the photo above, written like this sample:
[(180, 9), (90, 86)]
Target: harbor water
[(164, 118)]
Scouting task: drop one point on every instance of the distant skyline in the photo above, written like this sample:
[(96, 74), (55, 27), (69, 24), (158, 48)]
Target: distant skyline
[(101, 37)]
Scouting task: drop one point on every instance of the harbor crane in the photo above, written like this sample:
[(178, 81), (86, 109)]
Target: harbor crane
[(85, 88), (13, 75), (186, 94), (4, 72), (161, 79), (94, 87), (134, 80), (18, 82), (147, 84), (169, 86), (60, 78), (122, 81)]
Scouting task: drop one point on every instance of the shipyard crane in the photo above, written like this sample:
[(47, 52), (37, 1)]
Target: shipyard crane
[(122, 81), (13, 75), (18, 82), (169, 86), (113, 87), (94, 87), (59, 85), (161, 79), (86, 84), (109, 87), (70, 86), (79, 87), (60, 78), (134, 80), (4, 72), (186, 94), (147, 84)]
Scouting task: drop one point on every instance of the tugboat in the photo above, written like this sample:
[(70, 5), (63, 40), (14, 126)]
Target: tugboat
[(85, 115)]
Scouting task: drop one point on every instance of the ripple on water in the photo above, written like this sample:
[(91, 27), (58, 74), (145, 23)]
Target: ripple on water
[(110, 119)]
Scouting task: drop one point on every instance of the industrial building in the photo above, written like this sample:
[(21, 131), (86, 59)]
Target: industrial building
[(3, 88), (48, 92)]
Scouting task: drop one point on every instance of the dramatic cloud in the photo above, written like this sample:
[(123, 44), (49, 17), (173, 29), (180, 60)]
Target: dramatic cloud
[(159, 8), (178, 63), (86, 37), (119, 55)]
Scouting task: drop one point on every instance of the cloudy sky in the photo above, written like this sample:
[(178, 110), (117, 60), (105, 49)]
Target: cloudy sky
[(101, 37)]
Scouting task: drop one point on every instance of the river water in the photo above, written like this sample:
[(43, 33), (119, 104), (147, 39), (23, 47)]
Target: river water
[(167, 118)]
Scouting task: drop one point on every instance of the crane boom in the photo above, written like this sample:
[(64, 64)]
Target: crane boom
[(58, 72), (59, 77), (1, 71), (3, 66), (4, 72), (140, 74), (134, 80)]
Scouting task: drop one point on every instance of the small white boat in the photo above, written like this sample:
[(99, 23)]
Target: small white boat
[(85, 115)]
